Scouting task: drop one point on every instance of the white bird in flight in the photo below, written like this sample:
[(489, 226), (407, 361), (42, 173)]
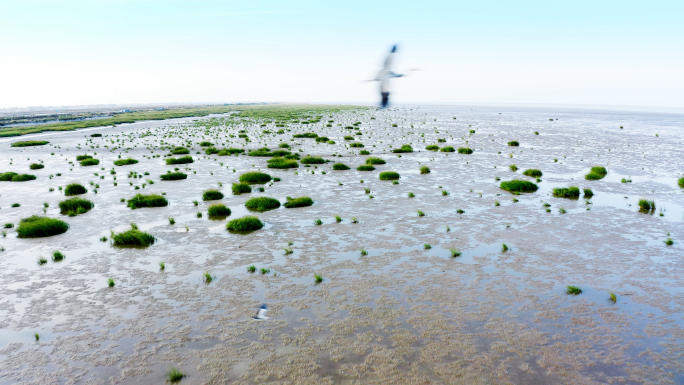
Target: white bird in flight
[(384, 77), (261, 313)]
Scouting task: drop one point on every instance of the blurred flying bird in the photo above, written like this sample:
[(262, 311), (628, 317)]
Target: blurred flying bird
[(384, 77), (261, 313)]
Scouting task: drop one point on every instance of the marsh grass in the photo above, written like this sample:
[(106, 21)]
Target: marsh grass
[(7, 176), (181, 160), (75, 206), (427, 246), (162, 266), (173, 176), (447, 149), (646, 205), (125, 162), (365, 167), (513, 143), (364, 252), (571, 192), (596, 173), (57, 256), (110, 282), (180, 151), (313, 160), (218, 210), (36, 166), (411, 195), (613, 297), (151, 200), (534, 173), (420, 213), (251, 269), (338, 218), (504, 248), (318, 278), (212, 195), (465, 150), (207, 278), (22, 177), (424, 170), (340, 167), (318, 222), (389, 175), (298, 202), (518, 185), (133, 237), (36, 227), (241, 188), (454, 253), (680, 182), (90, 162), (432, 147), (254, 177), (364, 152), (574, 290), (74, 189), (42, 261), (264, 271), (246, 223), (588, 193), (262, 204), (669, 242), (356, 145), (374, 160), (281, 163), (403, 149), (29, 143)]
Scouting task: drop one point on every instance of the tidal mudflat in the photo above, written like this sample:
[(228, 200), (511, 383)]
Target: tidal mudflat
[(416, 268)]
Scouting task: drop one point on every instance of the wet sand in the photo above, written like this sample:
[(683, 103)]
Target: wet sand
[(401, 313)]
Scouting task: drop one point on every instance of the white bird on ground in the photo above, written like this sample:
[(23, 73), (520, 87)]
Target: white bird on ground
[(261, 313)]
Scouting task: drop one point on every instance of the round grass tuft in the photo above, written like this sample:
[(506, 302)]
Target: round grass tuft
[(28, 143), (36, 226), (465, 150), (23, 177), (282, 163), (151, 200), (262, 204), (533, 173), (298, 202), (313, 160), (133, 237), (180, 151), (389, 175), (432, 147), (218, 210), (7, 176), (173, 176), (373, 160), (241, 188), (181, 160), (340, 166), (365, 167), (514, 143), (83, 157), (75, 206), (517, 185), (255, 177), (74, 189), (403, 149), (212, 195), (125, 162), (36, 166), (570, 192), (90, 162), (247, 223), (447, 149)]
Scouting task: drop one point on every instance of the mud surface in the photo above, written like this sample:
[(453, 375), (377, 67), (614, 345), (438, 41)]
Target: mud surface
[(403, 313)]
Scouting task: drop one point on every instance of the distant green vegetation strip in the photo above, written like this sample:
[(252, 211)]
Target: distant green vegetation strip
[(253, 111)]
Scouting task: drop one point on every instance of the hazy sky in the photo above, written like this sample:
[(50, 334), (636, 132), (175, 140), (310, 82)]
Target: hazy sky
[(625, 52)]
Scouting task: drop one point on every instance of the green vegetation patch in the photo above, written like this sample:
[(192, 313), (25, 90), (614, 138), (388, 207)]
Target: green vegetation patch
[(74, 189), (181, 160), (133, 237), (402, 149), (356, 144), (432, 147), (36, 166), (255, 177), (247, 223), (533, 173), (570, 192), (75, 206), (447, 149), (340, 167), (298, 202), (83, 157), (36, 227), (596, 173), (22, 177), (212, 195), (173, 176), (313, 160), (373, 160), (365, 167), (262, 204), (465, 150), (514, 143), (180, 151), (389, 175), (29, 143), (90, 162), (241, 188), (517, 185), (218, 210), (7, 176), (125, 162), (646, 205), (306, 135), (152, 200), (282, 163)]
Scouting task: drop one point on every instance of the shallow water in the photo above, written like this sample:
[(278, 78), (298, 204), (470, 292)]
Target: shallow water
[(401, 313)]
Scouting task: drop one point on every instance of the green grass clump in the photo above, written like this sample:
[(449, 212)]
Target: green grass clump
[(374, 160), (424, 170), (447, 149), (680, 182), (306, 135), (570, 192), (262, 204), (465, 150), (389, 175), (588, 193), (402, 149), (125, 162), (74, 189), (596, 173), (36, 226), (514, 143), (57, 256), (206, 144), (255, 177), (230, 151), (75, 206), (90, 162), (152, 200), (356, 144), (574, 290), (83, 157), (517, 185), (251, 269), (110, 282), (28, 143), (282, 163), (298, 202), (133, 237), (340, 166), (23, 177), (313, 160), (646, 205), (7, 176), (613, 297), (454, 253), (365, 167), (241, 188), (533, 173), (180, 151), (247, 223), (318, 278), (36, 166), (212, 195), (432, 147), (364, 152), (669, 242), (173, 176), (513, 168), (181, 160), (218, 210)]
